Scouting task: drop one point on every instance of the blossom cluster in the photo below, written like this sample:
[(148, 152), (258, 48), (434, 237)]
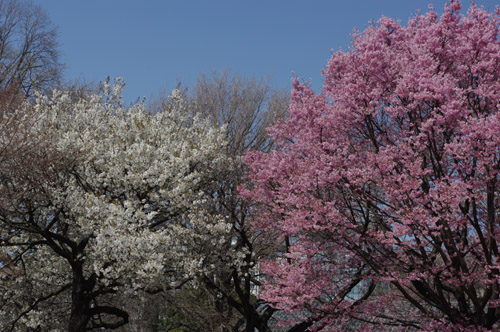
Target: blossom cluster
[(390, 176), (130, 208)]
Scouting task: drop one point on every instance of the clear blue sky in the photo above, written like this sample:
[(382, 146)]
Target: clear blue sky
[(153, 44)]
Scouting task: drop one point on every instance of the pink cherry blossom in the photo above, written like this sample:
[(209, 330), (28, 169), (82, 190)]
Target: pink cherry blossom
[(383, 189)]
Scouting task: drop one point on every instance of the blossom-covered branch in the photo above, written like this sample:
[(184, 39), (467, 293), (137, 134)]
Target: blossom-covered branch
[(391, 175)]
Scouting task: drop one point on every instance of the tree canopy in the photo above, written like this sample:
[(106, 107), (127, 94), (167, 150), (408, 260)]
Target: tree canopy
[(29, 58), (373, 205), (113, 201), (384, 187)]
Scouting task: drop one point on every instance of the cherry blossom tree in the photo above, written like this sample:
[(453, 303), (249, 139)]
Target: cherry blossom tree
[(383, 189), (117, 205)]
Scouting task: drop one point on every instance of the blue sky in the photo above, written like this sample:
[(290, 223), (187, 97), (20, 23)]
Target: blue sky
[(153, 44)]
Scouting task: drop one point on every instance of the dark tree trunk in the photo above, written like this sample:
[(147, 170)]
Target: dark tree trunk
[(80, 303), (250, 323)]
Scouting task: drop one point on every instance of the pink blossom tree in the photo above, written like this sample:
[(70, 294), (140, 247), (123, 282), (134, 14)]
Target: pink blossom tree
[(383, 189)]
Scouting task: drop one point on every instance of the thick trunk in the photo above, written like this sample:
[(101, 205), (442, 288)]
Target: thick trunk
[(79, 319), (250, 323), (80, 303)]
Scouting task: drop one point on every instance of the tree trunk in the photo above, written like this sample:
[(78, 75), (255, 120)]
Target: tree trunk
[(80, 304), (250, 323)]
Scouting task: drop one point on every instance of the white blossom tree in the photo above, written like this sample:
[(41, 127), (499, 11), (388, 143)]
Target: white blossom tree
[(121, 207)]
